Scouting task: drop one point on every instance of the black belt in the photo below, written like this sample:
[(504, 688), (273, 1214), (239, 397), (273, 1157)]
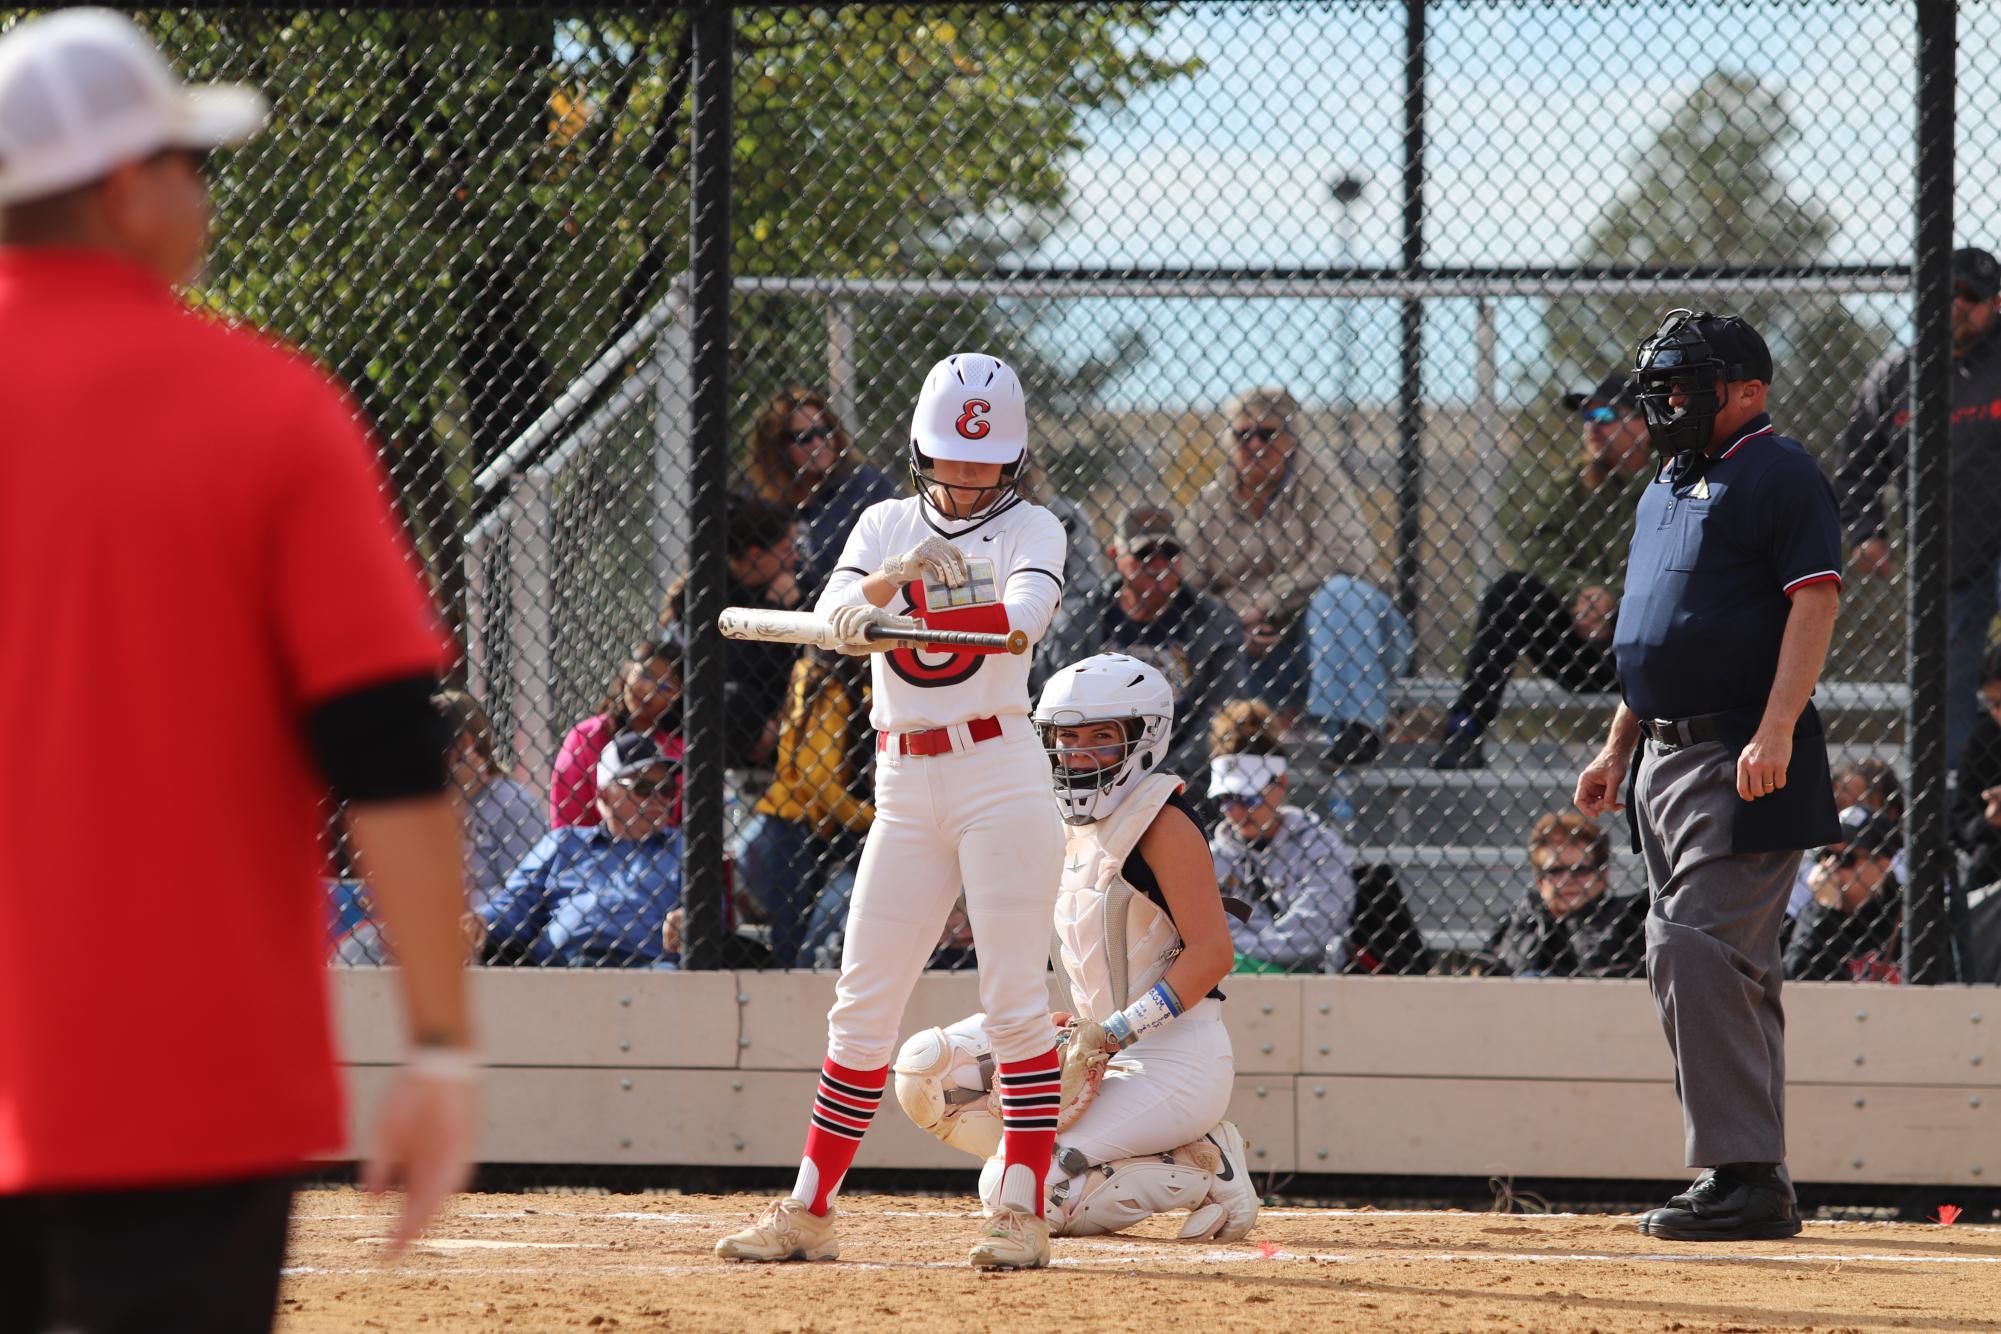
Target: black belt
[(1677, 732)]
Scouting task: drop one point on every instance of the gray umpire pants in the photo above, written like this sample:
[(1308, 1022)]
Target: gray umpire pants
[(1713, 960)]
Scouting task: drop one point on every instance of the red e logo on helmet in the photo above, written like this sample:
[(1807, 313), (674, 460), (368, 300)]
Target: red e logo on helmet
[(971, 424)]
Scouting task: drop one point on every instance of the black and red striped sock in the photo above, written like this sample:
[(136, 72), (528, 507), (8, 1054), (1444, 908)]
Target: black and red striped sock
[(842, 1110), (1031, 1096)]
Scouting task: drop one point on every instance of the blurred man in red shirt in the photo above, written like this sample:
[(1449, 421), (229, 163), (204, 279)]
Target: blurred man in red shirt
[(190, 511)]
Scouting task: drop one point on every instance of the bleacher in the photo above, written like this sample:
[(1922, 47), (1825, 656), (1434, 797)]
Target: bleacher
[(1456, 838)]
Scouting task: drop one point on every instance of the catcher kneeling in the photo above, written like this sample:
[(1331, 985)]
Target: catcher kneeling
[(1139, 927)]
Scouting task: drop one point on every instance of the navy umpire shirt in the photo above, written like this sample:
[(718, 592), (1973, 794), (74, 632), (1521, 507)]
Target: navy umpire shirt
[(1716, 557)]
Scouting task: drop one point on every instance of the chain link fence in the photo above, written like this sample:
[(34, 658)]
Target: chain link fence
[(1323, 310)]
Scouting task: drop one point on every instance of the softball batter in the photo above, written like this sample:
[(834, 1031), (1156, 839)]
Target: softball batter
[(1143, 944), (962, 799)]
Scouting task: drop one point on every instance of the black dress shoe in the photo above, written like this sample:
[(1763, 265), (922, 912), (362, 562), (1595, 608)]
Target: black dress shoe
[(1736, 1202)]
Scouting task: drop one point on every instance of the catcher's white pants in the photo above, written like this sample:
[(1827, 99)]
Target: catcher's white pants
[(982, 818), (1163, 1091)]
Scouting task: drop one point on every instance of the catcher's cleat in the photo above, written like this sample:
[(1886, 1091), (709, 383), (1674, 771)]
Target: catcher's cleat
[(1014, 1239), (788, 1230), (1233, 1188)]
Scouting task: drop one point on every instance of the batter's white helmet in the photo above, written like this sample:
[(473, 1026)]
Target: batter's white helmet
[(1111, 687), (970, 411)]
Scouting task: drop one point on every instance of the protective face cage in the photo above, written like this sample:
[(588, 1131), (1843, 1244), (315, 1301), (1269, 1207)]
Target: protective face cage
[(923, 476), (1087, 793), (1677, 361)]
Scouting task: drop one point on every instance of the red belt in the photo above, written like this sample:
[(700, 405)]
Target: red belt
[(938, 740)]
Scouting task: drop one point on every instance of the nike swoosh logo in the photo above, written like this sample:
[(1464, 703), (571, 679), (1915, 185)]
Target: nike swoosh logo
[(988, 538), (1228, 1173)]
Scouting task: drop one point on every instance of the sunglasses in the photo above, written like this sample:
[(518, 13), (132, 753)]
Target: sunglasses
[(813, 435), (1559, 871), (1157, 551), (1263, 435), (1966, 292), (1600, 416)]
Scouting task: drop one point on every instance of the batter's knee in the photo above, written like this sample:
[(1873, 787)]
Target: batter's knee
[(1021, 1036)]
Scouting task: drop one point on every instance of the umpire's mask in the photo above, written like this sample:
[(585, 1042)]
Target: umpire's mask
[(1688, 358)]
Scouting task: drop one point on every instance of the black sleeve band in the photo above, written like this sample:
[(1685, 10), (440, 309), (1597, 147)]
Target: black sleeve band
[(1037, 569), (381, 742)]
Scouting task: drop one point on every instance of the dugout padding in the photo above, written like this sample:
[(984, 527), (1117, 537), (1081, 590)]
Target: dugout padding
[(1367, 1076)]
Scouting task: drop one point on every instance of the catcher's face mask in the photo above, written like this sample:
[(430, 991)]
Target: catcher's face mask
[(1679, 379)]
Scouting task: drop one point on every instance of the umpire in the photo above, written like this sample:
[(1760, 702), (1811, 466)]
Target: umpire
[(1731, 593), (193, 533)]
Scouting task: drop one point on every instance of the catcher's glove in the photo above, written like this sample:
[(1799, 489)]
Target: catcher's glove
[(1083, 1049)]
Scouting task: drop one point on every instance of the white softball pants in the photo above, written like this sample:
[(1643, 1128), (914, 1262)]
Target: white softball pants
[(1168, 1088), (983, 818)]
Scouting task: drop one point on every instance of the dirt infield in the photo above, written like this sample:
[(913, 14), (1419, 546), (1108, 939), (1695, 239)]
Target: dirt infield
[(633, 1262)]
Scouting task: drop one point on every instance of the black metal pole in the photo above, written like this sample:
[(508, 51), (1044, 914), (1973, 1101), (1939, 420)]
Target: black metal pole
[(1410, 447), (1927, 896), (703, 887)]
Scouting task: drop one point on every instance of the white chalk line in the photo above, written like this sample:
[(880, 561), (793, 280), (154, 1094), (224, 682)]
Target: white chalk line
[(1118, 1254)]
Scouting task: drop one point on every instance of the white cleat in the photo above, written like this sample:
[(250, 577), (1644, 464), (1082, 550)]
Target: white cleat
[(1014, 1239), (1231, 1208), (788, 1230)]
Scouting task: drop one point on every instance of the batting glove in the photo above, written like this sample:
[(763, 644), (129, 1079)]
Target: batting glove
[(935, 556), (847, 628)]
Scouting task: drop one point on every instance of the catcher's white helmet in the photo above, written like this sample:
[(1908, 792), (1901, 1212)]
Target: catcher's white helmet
[(1110, 687)]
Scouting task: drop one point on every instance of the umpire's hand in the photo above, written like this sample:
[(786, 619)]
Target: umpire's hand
[(1761, 765), (1599, 785)]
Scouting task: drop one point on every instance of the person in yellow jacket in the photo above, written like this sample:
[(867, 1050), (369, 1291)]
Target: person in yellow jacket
[(805, 832)]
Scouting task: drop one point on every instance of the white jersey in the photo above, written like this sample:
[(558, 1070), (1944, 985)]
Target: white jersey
[(1115, 942), (1014, 564)]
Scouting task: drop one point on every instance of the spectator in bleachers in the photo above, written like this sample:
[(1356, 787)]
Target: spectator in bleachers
[(1852, 931), (802, 460), (1976, 796), (1290, 867), (1872, 452), (598, 895), (1148, 610), (503, 816), (1084, 570), (645, 697), (1870, 783), (1275, 525), (1568, 925), (1358, 646), (763, 556), (1557, 609), (806, 830)]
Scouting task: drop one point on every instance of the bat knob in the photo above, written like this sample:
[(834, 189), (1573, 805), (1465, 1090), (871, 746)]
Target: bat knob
[(1017, 641)]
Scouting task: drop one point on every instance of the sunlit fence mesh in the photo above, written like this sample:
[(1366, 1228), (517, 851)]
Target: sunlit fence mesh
[(1336, 286)]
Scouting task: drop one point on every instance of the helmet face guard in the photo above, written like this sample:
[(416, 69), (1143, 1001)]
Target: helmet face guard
[(1678, 363), (1087, 792), (924, 476)]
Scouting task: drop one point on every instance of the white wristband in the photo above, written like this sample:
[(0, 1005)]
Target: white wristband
[(455, 1064)]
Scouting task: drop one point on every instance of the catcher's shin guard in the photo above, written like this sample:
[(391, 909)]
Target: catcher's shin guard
[(1094, 1199)]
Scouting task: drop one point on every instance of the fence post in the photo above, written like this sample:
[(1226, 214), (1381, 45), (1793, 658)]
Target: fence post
[(842, 377), (703, 889), (1928, 894), (1410, 394)]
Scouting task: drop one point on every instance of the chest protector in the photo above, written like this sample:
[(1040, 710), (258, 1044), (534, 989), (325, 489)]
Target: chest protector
[(1115, 942)]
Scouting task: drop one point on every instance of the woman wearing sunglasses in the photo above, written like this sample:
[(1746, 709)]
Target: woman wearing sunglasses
[(802, 458), (1853, 929)]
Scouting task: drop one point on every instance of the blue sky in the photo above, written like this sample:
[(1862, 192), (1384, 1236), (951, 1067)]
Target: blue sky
[(1538, 113)]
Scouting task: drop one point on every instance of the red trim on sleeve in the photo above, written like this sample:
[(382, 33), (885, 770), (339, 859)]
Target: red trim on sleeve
[(1825, 576)]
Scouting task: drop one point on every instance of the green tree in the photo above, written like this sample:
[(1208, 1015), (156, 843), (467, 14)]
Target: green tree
[(1708, 192), (457, 209)]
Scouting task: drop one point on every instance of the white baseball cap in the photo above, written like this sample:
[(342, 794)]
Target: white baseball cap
[(1244, 775), (84, 91), (971, 411)]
